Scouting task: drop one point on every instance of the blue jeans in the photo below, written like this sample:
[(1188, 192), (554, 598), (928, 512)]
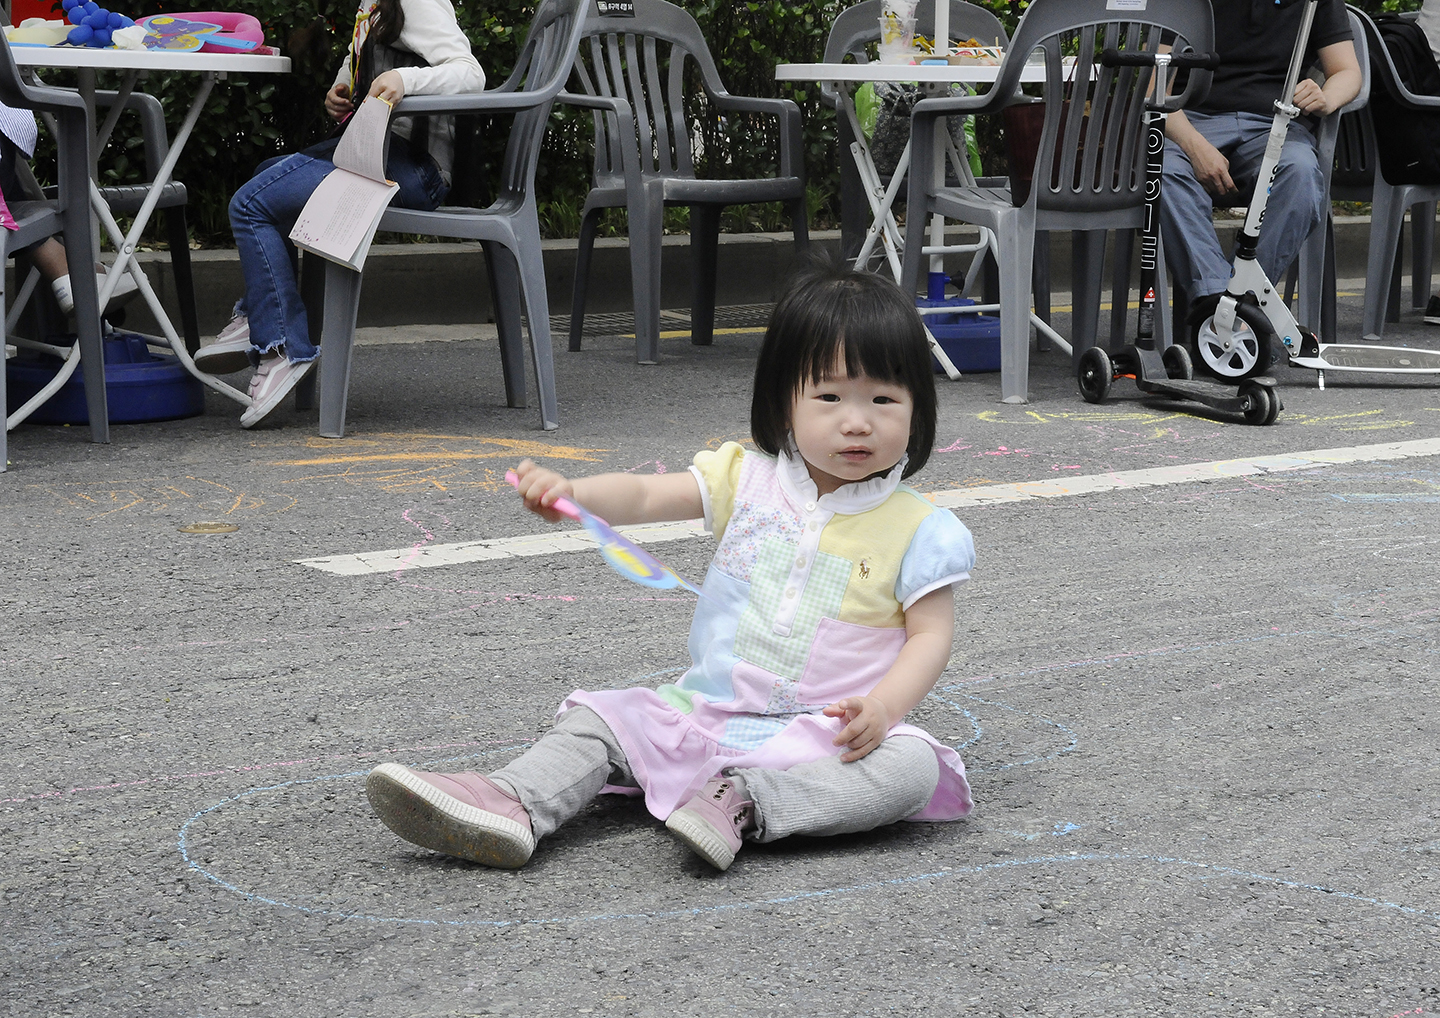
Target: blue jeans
[(1193, 256), (263, 212)]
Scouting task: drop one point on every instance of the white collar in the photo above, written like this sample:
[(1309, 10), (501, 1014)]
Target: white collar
[(848, 499)]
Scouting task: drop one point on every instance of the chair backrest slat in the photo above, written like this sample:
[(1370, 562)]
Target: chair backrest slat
[(1090, 146), (648, 61), (543, 66)]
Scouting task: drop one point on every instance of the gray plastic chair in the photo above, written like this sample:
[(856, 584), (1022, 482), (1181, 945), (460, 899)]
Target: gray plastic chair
[(1389, 201), (633, 73), (508, 229), (69, 214), (1089, 170), (856, 29), (1315, 267)]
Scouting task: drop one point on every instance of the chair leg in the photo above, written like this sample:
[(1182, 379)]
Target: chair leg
[(1397, 273), (337, 339), (179, 237), (1329, 312), (589, 225), (508, 299), (312, 295), (799, 210), (1016, 238), (1315, 253), (1087, 274), (531, 267), (704, 263), (646, 230), (1385, 215), (1422, 248), (1040, 283), (1120, 286)]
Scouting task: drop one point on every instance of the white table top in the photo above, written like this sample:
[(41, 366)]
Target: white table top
[(875, 71), (91, 58)]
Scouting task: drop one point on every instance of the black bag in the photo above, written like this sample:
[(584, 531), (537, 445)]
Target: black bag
[(1407, 140)]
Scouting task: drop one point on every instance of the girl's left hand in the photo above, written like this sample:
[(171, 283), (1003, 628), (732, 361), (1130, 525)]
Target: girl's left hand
[(867, 722), (388, 86)]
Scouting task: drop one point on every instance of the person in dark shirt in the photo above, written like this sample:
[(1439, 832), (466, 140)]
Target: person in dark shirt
[(1213, 152)]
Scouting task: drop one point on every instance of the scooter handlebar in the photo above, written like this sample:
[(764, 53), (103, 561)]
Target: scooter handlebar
[(1116, 58)]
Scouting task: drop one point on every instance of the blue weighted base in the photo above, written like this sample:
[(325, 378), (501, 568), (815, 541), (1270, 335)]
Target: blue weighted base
[(139, 385), (972, 342)]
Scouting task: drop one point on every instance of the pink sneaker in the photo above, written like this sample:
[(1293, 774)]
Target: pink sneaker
[(464, 815), (271, 383), (713, 822), (231, 350)]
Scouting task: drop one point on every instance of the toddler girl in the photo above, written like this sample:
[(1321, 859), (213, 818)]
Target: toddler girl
[(827, 617)]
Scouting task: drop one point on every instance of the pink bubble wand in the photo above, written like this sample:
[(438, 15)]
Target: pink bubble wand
[(625, 556)]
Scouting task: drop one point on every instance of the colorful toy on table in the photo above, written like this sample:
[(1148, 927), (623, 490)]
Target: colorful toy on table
[(625, 556), (208, 31), (94, 25)]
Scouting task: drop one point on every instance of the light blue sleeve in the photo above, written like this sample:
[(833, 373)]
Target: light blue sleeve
[(941, 552)]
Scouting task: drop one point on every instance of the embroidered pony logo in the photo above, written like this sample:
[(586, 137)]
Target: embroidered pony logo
[(864, 570)]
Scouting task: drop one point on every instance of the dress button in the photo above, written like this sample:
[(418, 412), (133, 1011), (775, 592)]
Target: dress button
[(800, 562), (814, 525), (790, 592), (809, 507)]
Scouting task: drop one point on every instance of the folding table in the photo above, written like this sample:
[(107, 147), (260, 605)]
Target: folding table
[(209, 67)]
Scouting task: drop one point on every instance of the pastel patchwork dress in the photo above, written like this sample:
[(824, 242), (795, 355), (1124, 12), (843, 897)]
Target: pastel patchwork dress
[(804, 605)]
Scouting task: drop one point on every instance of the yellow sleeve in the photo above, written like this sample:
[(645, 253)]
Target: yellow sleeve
[(718, 471)]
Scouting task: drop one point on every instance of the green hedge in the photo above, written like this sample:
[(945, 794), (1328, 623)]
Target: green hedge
[(250, 119)]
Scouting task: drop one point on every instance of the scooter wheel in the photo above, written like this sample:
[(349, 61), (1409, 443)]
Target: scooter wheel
[(1095, 374), (1245, 355), (1177, 363), (1262, 406)]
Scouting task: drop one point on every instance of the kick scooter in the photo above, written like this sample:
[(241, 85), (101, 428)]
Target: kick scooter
[(1236, 340), (1168, 373)]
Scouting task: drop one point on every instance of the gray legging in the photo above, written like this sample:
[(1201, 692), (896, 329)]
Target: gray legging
[(557, 776)]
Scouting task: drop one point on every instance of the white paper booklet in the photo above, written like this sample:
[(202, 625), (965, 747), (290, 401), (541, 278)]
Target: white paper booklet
[(339, 220)]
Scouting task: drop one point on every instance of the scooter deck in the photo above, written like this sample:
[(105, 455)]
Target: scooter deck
[(1401, 360), (1212, 394)]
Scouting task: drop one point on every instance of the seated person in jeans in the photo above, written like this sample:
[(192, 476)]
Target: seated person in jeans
[(399, 48), (1213, 152)]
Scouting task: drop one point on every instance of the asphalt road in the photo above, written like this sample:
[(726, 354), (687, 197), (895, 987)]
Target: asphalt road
[(1199, 716)]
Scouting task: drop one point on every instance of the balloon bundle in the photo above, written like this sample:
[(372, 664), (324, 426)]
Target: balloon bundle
[(93, 23)]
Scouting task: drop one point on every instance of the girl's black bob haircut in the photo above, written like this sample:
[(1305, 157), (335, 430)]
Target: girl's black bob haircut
[(829, 314)]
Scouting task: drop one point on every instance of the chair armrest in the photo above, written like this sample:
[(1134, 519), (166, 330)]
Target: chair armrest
[(610, 104), (491, 101), (788, 114)]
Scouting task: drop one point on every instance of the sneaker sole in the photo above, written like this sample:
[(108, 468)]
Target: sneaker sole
[(257, 413), (701, 838), (1432, 319), (426, 816), (222, 364), (225, 362)]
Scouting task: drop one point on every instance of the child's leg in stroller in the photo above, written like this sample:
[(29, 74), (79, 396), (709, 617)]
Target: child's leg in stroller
[(827, 797), (556, 777)]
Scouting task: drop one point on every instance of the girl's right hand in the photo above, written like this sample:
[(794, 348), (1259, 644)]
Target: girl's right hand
[(540, 488), (337, 102)]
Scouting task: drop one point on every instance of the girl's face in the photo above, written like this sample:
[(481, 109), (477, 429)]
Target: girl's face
[(848, 429)]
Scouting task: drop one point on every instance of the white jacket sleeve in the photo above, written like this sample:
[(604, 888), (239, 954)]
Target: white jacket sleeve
[(432, 33)]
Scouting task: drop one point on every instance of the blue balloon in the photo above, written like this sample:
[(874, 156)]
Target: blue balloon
[(76, 15), (116, 20), (101, 38), (91, 7), (80, 35)]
